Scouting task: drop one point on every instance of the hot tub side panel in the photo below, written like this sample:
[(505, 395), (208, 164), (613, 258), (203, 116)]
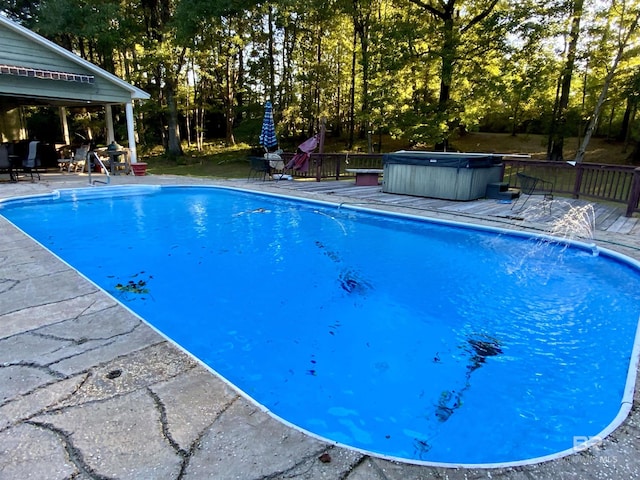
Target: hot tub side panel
[(439, 182)]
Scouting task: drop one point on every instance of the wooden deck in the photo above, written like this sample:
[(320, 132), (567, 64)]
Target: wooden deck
[(606, 217)]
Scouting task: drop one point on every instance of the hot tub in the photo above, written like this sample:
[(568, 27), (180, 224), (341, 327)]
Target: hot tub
[(446, 175)]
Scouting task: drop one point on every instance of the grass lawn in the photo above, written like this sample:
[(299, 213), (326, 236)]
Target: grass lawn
[(215, 162), (599, 151)]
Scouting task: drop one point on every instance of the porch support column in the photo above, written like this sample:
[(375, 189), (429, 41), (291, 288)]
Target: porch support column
[(64, 125), (108, 116), (131, 133)]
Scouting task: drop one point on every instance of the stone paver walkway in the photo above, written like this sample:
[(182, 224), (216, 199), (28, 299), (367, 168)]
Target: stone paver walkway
[(89, 391)]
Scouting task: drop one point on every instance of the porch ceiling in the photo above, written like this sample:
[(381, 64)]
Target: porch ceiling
[(9, 102)]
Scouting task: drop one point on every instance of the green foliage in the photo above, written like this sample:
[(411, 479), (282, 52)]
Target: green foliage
[(413, 69)]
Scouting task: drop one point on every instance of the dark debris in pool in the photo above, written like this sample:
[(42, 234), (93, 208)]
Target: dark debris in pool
[(449, 402), (332, 255), (421, 446), (255, 210), (133, 287), (137, 287), (351, 283), (479, 348), (485, 348)]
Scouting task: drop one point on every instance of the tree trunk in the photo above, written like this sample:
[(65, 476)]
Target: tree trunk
[(557, 136), (174, 149), (361, 21), (634, 158), (624, 128), (315, 125), (272, 67), (229, 138), (632, 118), (240, 87), (447, 62), (352, 92), (187, 117)]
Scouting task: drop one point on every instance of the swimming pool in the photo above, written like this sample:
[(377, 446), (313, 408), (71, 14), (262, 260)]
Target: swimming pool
[(431, 342)]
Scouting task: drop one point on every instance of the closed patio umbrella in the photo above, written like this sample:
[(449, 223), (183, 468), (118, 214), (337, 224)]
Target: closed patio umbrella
[(268, 135)]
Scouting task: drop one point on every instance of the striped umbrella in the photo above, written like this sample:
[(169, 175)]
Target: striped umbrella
[(268, 135)]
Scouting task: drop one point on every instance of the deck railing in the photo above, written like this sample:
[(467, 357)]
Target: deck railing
[(612, 183), (334, 165)]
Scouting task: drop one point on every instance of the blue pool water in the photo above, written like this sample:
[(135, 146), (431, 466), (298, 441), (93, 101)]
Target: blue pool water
[(406, 338)]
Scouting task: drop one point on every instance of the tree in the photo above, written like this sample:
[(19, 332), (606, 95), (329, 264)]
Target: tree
[(25, 11), (455, 20), (556, 136), (632, 96), (627, 23)]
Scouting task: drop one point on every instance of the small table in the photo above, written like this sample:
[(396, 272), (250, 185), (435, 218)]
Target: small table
[(366, 176)]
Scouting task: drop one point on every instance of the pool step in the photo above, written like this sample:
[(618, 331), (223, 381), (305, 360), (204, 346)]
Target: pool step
[(501, 191)]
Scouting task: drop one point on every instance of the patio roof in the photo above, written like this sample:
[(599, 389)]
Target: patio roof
[(36, 71)]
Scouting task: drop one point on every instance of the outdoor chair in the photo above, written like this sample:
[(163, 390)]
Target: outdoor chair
[(79, 159), (534, 186), (64, 157), (32, 162), (5, 163), (258, 166)]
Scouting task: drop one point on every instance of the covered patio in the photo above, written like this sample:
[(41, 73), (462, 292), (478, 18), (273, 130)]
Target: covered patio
[(36, 72)]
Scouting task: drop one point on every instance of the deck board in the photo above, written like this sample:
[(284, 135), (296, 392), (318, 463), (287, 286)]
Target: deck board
[(606, 217)]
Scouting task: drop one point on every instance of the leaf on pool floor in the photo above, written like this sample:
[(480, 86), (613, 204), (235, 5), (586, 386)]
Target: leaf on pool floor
[(139, 287)]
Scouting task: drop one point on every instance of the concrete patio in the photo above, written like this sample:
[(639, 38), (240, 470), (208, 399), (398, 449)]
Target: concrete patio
[(89, 391)]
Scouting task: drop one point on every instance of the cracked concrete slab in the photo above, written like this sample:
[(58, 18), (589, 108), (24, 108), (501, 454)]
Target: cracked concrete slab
[(30, 452), (192, 402), (105, 324), (38, 400), (22, 264), (141, 337), (32, 318), (332, 463), (18, 380), (236, 445), (134, 371), (43, 290), (12, 349), (121, 437), (89, 391)]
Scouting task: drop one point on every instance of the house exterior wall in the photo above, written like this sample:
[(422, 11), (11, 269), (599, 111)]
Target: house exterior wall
[(17, 50)]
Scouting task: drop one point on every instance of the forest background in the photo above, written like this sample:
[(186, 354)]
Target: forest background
[(378, 73)]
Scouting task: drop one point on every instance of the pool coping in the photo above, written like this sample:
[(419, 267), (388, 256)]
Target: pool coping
[(625, 464)]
